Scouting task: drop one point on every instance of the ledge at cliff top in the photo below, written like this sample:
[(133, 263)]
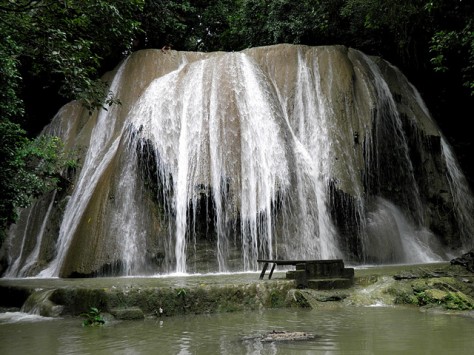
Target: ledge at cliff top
[(214, 160)]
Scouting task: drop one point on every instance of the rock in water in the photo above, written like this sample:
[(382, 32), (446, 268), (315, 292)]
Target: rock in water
[(286, 336)]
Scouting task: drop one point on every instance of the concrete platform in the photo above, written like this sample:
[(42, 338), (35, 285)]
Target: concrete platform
[(322, 274)]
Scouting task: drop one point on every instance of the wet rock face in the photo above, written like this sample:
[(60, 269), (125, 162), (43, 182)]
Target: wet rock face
[(447, 288), (466, 260), (214, 160)]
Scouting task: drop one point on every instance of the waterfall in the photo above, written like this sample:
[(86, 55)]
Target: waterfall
[(191, 120), (462, 197), (13, 270), (396, 239), (215, 160), (38, 303), (102, 147), (312, 146), (390, 163)]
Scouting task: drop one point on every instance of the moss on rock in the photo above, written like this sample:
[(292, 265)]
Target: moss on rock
[(446, 292)]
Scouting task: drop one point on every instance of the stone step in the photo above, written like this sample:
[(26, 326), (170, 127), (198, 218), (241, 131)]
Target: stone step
[(330, 284)]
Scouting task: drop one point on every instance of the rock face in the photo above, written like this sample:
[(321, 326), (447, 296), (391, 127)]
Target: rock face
[(466, 260), (216, 159)]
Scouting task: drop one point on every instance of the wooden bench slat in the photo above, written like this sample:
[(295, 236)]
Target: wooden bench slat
[(262, 274)]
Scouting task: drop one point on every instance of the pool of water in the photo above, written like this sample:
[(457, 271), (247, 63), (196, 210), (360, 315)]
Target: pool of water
[(339, 330)]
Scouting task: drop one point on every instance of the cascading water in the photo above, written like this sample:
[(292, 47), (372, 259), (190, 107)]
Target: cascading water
[(312, 147), (102, 147), (216, 135), (13, 269), (462, 197), (214, 160)]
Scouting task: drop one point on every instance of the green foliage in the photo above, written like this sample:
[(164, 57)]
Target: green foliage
[(446, 299), (93, 318), (403, 295), (166, 22), (424, 299), (258, 22), (10, 103), (181, 293), (446, 45), (458, 301), (276, 299), (211, 28), (61, 46), (64, 44), (30, 167), (394, 28), (415, 33), (67, 44)]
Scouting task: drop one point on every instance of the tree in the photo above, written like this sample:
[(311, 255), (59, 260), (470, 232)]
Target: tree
[(452, 41), (65, 45), (166, 22), (30, 168), (48, 48), (260, 22)]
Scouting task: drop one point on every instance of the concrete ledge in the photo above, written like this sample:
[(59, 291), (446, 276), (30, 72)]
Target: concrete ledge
[(330, 284), (134, 298), (140, 298)]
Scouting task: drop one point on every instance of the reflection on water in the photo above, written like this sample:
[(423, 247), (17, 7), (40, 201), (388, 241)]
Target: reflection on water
[(349, 330)]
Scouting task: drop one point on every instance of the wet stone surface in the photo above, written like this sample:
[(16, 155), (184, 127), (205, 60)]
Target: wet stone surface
[(281, 336)]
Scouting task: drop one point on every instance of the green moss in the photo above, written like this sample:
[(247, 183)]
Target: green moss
[(402, 293), (445, 292), (405, 298), (458, 301), (426, 297), (453, 300), (276, 299)]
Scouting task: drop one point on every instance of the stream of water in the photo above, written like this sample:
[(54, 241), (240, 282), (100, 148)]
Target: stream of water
[(340, 330)]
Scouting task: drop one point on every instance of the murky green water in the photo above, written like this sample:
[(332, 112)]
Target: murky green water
[(342, 330)]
